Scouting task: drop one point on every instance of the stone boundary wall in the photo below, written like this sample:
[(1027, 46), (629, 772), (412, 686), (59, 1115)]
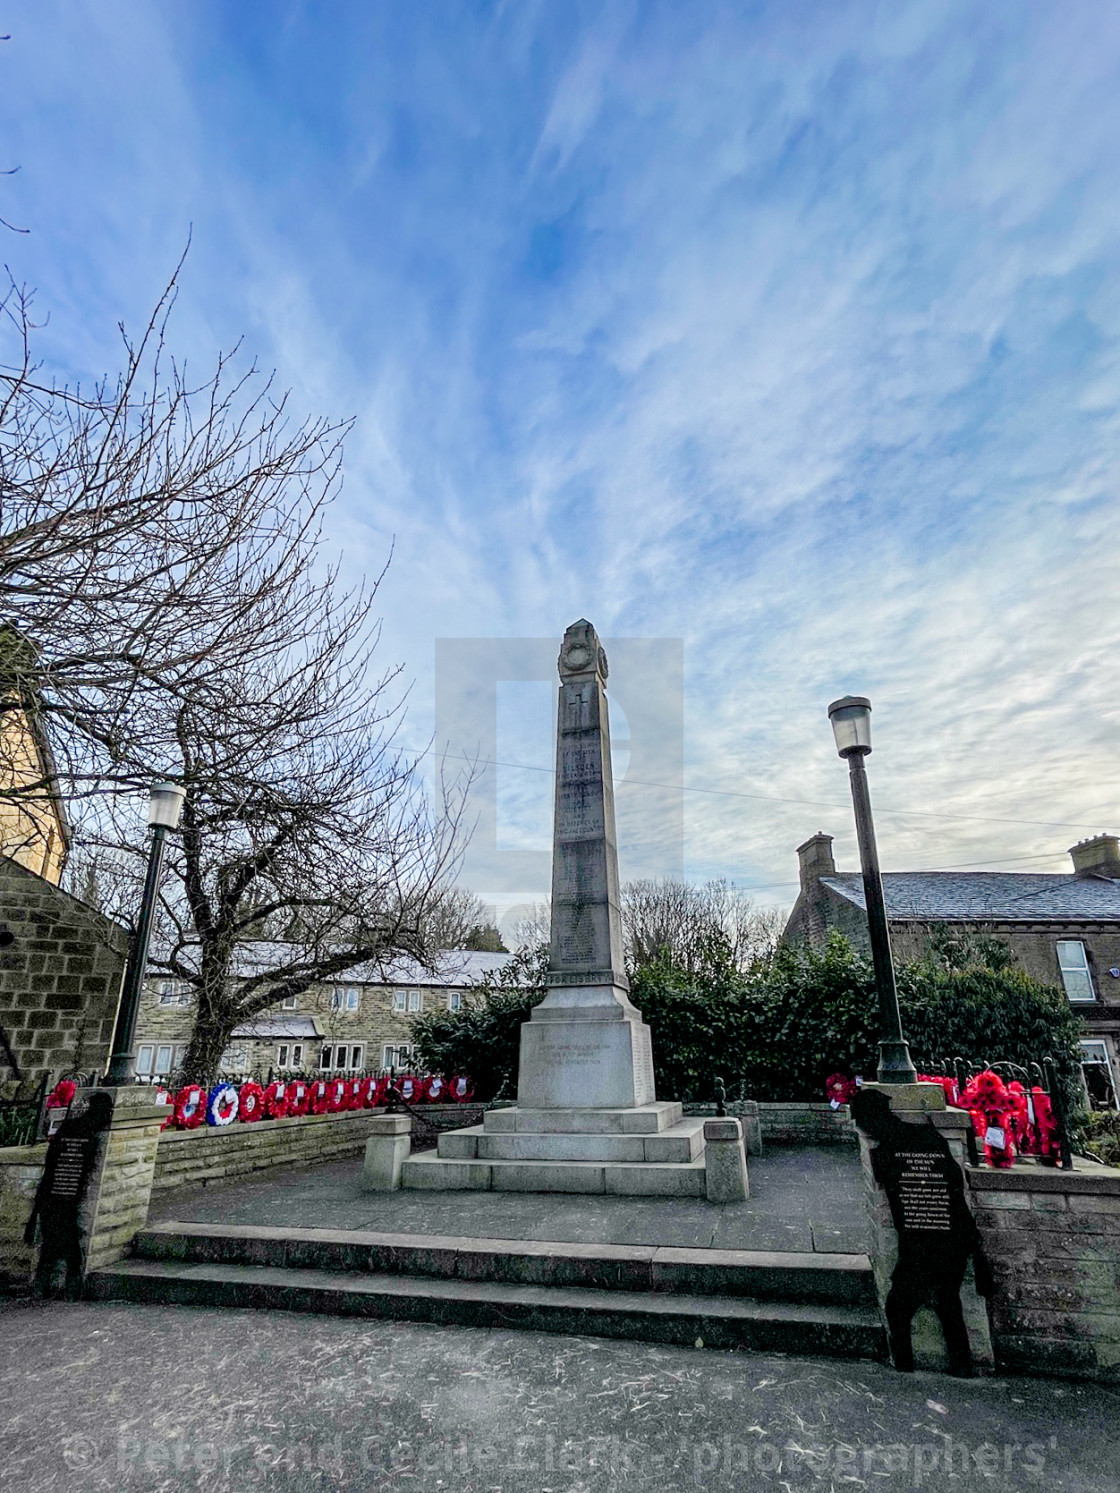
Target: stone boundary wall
[(20, 1170), (1053, 1240), (799, 1124), (211, 1153)]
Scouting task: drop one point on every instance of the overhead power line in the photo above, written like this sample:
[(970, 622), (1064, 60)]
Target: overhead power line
[(816, 803)]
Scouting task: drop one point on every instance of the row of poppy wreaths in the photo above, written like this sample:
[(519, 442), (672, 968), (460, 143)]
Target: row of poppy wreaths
[(1008, 1119), (224, 1103)]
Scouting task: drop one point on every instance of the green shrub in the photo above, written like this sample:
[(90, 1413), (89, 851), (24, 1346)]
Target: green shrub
[(777, 1031), (483, 1038), (1101, 1136)]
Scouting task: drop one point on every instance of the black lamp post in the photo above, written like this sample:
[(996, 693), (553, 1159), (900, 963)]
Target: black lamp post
[(851, 726), (164, 807)]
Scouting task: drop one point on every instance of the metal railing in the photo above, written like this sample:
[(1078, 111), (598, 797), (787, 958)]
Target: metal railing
[(1044, 1075)]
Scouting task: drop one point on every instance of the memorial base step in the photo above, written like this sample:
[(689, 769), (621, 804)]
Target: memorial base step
[(684, 1142), (676, 1179), (643, 1119)]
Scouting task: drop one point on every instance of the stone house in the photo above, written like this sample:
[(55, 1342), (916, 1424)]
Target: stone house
[(33, 826), (61, 965), (358, 1021), (1062, 929)]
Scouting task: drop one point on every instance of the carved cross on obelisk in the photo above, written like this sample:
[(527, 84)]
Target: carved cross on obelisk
[(586, 1045)]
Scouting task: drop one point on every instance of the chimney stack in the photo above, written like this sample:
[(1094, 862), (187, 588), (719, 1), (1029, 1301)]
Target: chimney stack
[(1099, 856), (815, 859)]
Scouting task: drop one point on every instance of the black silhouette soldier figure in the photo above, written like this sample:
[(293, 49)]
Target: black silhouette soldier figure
[(937, 1234), (72, 1155)]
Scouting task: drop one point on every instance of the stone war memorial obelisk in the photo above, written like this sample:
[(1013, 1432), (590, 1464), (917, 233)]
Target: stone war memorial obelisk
[(587, 1118)]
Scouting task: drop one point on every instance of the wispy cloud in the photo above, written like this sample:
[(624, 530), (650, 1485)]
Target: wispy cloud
[(792, 331)]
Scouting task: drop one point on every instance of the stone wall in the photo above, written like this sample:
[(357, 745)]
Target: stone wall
[(20, 1170), (800, 1124), (1053, 1240), (60, 976), (211, 1154)]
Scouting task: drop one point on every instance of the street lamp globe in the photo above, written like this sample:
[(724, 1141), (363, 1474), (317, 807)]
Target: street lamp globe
[(851, 724), (165, 804)]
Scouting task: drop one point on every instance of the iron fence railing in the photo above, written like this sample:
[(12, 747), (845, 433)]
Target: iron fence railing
[(1045, 1075), (22, 1115)]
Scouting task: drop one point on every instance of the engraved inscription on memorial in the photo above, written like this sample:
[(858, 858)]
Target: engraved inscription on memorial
[(70, 1168), (923, 1192)]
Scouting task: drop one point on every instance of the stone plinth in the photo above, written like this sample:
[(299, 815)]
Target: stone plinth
[(597, 1056), (387, 1150), (725, 1166)]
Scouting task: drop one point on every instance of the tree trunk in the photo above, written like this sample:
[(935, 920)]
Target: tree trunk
[(209, 1040)]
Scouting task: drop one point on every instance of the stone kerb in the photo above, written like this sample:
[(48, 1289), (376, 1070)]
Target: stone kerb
[(1053, 1240)]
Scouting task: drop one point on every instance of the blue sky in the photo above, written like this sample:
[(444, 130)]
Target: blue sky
[(787, 329)]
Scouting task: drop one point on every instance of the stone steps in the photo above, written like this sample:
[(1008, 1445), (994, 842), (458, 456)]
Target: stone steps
[(620, 1178), (832, 1279), (712, 1322)]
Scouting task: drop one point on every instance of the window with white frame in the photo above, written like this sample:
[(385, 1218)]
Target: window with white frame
[(1097, 1069), (398, 1055), (1073, 965), (289, 1055), (144, 1059), (290, 1003), (357, 1055), (233, 1059), (349, 999), (353, 999), (455, 1001), (326, 1057), (173, 994)]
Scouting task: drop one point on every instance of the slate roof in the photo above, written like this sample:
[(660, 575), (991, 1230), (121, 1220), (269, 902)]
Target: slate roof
[(284, 1027), (988, 896), (454, 969)]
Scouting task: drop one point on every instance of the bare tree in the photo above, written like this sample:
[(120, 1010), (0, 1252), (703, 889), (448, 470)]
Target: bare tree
[(134, 519), (680, 920), (170, 612)]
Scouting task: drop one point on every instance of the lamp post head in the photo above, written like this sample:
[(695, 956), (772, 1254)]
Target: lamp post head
[(165, 805), (851, 725)]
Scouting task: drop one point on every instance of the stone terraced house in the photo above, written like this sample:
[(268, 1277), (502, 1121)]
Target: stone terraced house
[(360, 1020), (1062, 930)]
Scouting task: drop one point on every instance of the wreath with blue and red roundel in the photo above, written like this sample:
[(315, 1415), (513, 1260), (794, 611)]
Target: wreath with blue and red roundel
[(461, 1088), (251, 1102), (190, 1106), (222, 1104)]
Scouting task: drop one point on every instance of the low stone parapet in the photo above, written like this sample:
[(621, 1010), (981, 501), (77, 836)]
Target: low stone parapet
[(1053, 1241), (20, 1170), (795, 1124), (191, 1158)]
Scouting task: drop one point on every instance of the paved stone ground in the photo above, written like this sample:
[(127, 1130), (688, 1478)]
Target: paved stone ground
[(114, 1397), (801, 1199)]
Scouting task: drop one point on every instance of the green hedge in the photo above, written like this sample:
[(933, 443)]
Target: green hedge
[(777, 1031)]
